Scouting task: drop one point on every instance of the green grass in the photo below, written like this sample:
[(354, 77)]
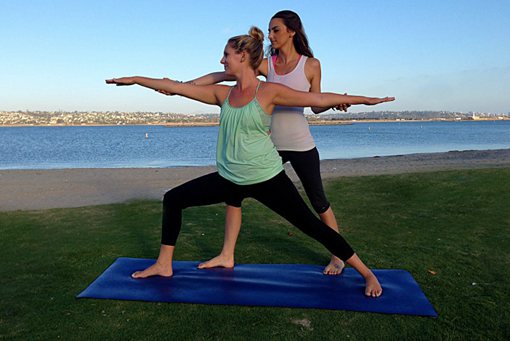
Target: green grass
[(456, 224)]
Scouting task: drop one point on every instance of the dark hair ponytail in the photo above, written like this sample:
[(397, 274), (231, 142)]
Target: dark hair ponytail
[(293, 23)]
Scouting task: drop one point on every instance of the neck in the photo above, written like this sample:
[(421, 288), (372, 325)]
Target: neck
[(245, 79), (287, 54)]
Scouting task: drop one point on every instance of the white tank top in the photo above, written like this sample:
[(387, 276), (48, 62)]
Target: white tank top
[(289, 127)]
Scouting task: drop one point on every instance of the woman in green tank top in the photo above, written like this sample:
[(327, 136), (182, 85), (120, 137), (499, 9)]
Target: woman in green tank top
[(248, 163)]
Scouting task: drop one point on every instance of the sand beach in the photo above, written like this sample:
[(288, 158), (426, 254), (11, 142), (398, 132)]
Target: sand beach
[(44, 189)]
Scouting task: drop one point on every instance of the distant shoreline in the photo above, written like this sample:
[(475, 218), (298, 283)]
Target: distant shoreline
[(213, 124)]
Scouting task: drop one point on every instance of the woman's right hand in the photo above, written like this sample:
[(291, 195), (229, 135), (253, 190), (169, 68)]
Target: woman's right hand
[(342, 107), (164, 92)]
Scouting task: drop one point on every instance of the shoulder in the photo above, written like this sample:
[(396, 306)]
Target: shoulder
[(221, 91), (313, 64), (222, 87), (263, 67), (270, 86), (270, 89), (313, 70)]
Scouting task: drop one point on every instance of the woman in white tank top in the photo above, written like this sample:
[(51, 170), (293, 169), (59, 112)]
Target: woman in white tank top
[(291, 63)]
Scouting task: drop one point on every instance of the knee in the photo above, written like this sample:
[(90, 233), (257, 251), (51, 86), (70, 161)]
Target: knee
[(170, 198), (320, 206)]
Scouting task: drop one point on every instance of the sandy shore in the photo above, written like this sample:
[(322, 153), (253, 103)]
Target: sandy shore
[(42, 189)]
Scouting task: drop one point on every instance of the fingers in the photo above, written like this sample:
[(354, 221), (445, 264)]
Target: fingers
[(114, 81), (164, 92), (120, 81), (382, 100), (342, 107)]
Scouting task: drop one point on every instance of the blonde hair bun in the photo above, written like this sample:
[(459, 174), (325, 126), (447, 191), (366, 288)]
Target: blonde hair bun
[(256, 33), (252, 43)]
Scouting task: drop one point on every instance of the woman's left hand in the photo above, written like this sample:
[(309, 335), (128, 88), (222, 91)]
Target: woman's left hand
[(121, 81), (376, 100)]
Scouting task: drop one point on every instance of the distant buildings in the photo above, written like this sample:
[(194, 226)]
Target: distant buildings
[(59, 118), (412, 116), (50, 118)]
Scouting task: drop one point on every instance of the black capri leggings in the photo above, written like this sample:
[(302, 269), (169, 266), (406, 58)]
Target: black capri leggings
[(308, 169), (279, 194)]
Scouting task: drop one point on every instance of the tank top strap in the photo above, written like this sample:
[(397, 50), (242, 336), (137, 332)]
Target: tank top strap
[(228, 95), (302, 62), (257, 89), (254, 97)]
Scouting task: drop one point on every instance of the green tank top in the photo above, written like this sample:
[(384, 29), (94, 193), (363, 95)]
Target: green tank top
[(245, 153)]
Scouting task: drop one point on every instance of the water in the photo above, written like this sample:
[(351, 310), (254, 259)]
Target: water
[(398, 138), (158, 146)]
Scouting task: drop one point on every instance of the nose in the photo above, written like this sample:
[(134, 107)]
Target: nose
[(270, 36), (222, 60)]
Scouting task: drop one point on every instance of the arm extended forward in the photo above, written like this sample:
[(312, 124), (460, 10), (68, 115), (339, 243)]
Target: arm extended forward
[(211, 94), (286, 96)]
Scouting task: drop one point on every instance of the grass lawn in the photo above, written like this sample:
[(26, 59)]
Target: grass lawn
[(450, 230)]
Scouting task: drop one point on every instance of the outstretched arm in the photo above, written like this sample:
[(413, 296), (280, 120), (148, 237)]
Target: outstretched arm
[(212, 78), (218, 77), (221, 76), (283, 95), (211, 94), (209, 79)]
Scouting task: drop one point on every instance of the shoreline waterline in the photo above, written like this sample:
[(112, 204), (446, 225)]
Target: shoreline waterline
[(159, 147), (76, 187), (216, 123)]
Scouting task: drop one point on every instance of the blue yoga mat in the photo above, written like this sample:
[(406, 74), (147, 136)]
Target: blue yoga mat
[(274, 285)]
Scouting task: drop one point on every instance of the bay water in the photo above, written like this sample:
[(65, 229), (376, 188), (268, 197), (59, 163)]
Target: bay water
[(160, 146)]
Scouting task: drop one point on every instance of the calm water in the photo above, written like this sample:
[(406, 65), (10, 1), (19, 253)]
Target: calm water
[(128, 146)]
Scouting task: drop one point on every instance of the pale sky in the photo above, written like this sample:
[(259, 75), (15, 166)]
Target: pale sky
[(430, 54)]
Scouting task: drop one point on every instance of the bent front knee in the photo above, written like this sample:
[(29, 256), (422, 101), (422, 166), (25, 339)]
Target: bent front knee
[(171, 198)]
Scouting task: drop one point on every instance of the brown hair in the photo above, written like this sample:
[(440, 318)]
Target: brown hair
[(293, 23), (252, 43)]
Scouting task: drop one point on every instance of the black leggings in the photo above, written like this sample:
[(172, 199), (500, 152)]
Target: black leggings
[(308, 169), (279, 194)]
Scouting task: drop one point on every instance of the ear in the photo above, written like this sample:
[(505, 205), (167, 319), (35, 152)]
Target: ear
[(243, 56)]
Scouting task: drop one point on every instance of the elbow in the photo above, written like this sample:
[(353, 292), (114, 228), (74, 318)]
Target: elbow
[(317, 110)]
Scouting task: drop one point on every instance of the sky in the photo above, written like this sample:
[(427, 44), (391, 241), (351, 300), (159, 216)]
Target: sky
[(451, 55)]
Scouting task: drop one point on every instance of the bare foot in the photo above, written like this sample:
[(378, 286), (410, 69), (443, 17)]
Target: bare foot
[(335, 266), (218, 262), (372, 286), (156, 269)]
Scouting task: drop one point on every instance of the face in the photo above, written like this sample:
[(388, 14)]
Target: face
[(279, 34), (231, 60)]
